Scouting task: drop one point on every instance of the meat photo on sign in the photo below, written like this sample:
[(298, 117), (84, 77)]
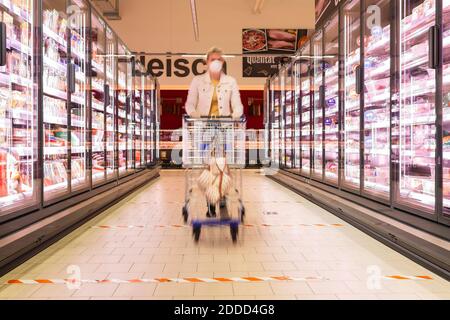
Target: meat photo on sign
[(282, 39)]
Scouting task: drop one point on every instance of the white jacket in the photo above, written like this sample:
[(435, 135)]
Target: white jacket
[(200, 95)]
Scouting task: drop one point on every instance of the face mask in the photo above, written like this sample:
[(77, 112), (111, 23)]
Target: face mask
[(216, 66)]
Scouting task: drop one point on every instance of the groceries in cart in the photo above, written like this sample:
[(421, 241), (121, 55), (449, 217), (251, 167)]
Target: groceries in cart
[(213, 156), (216, 182)]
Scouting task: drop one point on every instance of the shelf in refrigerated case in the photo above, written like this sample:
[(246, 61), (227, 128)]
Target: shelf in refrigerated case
[(16, 11), (8, 79), (55, 65), (18, 46), (52, 151), (53, 35)]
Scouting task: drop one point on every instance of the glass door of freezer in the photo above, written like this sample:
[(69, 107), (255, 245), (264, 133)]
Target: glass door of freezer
[(130, 115), (296, 127), (305, 66), (415, 114), (110, 105), (446, 107), (377, 100), (55, 100), (351, 55), (282, 91), (138, 115), (78, 24), (276, 122), (289, 118), (122, 106), (18, 109), (331, 101), (318, 64), (98, 98)]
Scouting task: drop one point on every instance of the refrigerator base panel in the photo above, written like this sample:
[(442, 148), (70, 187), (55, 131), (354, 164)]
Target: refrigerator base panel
[(407, 240)]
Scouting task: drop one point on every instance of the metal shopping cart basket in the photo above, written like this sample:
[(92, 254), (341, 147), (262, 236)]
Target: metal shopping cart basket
[(213, 157)]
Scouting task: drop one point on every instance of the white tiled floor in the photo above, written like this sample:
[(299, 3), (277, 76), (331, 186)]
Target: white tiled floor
[(340, 254)]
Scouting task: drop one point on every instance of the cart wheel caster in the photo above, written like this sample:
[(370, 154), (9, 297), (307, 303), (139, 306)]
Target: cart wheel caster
[(234, 232), (185, 214), (196, 231)]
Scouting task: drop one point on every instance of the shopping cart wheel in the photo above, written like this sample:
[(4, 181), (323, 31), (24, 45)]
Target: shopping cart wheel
[(196, 230), (234, 232), (185, 214)]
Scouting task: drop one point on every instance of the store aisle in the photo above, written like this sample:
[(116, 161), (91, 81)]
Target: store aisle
[(286, 236)]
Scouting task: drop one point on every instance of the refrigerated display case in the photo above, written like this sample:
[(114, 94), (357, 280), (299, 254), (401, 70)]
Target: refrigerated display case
[(318, 91), (110, 105), (130, 65), (388, 115), (414, 115), (282, 119), (446, 108), (58, 92), (19, 184), (123, 101), (331, 100), (79, 93), (377, 101), (350, 84), (296, 126), (55, 100), (98, 98), (288, 121), (305, 66), (138, 123), (275, 130)]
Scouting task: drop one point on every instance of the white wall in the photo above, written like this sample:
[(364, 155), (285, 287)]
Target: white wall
[(166, 26)]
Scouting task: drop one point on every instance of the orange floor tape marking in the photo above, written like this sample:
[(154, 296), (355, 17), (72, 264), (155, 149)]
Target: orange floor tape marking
[(244, 225), (198, 280)]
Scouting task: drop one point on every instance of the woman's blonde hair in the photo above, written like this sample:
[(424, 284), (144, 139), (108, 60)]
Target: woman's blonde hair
[(213, 50)]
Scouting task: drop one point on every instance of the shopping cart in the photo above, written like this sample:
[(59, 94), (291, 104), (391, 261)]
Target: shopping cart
[(213, 157)]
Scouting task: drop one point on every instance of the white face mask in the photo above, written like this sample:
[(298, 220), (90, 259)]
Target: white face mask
[(216, 66)]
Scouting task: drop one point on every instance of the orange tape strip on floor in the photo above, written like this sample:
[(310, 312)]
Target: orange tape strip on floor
[(244, 225), (168, 280), (198, 280)]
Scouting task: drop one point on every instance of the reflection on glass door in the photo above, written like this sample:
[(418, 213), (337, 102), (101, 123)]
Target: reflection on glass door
[(289, 118), (377, 70), (331, 101), (446, 106), (305, 105), (276, 122), (18, 109), (111, 68), (282, 95), (130, 114), (55, 100), (98, 99), (122, 108), (138, 111), (80, 177), (416, 116), (317, 170), (297, 115), (351, 41)]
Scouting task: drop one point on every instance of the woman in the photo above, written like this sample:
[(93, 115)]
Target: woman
[(214, 94)]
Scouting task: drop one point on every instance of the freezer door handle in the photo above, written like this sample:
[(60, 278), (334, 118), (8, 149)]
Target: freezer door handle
[(358, 80), (107, 96), (321, 96), (433, 47), (72, 73), (2, 44)]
